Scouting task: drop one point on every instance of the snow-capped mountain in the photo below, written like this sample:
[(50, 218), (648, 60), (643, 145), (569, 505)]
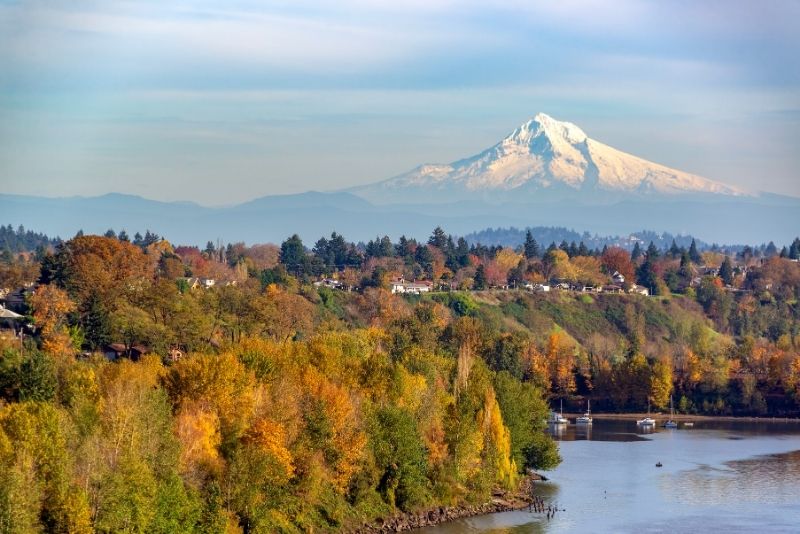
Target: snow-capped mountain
[(543, 159)]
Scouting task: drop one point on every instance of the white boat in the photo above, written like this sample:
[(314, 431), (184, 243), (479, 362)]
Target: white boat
[(647, 421), (557, 418), (688, 424), (670, 423), (585, 419)]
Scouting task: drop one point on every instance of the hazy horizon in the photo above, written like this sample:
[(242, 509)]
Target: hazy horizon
[(194, 102)]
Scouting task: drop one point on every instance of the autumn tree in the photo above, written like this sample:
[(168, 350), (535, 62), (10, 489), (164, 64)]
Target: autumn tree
[(616, 259)]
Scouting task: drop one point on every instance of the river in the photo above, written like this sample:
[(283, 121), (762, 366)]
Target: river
[(719, 476)]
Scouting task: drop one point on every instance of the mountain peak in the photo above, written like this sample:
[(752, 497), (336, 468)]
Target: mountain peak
[(547, 158), (543, 124)]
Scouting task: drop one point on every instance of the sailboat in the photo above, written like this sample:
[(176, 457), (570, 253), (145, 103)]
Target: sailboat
[(670, 423), (557, 418), (585, 419), (647, 421)]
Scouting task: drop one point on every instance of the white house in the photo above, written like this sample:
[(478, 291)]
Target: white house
[(618, 278), (328, 282), (640, 290), (414, 288)]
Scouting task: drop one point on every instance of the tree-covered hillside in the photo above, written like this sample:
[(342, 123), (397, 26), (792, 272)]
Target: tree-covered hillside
[(280, 389)]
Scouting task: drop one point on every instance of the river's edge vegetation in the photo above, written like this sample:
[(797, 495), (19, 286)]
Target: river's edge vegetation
[(145, 401)]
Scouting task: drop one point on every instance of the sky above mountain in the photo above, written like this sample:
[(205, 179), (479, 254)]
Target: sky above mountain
[(220, 102)]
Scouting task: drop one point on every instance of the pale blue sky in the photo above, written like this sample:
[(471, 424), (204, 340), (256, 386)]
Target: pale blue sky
[(219, 102)]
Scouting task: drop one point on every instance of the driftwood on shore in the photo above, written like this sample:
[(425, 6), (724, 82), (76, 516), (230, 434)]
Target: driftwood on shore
[(501, 502)]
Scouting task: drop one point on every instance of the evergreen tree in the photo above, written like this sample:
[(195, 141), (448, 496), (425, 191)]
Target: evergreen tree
[(794, 249), (531, 247), (424, 258), (726, 271), (386, 247), (771, 250), (480, 278), (573, 250), (646, 275), (110, 233), (652, 252), (462, 252), (637, 252), (96, 324), (438, 239), (674, 251), (293, 254), (123, 236), (694, 255)]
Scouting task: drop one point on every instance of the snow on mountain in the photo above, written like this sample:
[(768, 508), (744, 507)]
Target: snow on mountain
[(542, 156)]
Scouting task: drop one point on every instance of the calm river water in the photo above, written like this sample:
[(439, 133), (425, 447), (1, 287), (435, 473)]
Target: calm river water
[(716, 477)]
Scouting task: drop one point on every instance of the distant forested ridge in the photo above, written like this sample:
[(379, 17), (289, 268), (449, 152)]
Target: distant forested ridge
[(22, 240), (514, 237)]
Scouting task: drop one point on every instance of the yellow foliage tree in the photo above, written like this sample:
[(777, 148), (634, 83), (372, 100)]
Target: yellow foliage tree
[(498, 441), (661, 383), (271, 437), (333, 424), (51, 305), (561, 361), (197, 429)]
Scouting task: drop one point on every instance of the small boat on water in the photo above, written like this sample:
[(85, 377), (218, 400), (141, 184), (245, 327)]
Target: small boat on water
[(585, 419), (647, 421), (688, 424), (557, 418), (671, 423)]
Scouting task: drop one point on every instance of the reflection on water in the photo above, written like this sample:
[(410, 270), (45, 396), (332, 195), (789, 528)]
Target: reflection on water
[(770, 479), (723, 475), (601, 430)]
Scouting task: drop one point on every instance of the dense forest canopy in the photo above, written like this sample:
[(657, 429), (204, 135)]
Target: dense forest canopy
[(264, 388)]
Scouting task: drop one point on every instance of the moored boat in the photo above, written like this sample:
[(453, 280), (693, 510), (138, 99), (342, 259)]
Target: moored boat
[(585, 419), (557, 418), (671, 423), (647, 421)]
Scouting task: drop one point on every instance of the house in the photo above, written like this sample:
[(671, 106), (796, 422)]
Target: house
[(537, 287), (175, 354), (329, 283), (16, 300), (414, 288), (640, 290), (115, 351), (618, 278), (613, 289), (200, 283)]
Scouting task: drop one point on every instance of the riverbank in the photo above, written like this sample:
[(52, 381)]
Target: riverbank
[(687, 417), (502, 501)]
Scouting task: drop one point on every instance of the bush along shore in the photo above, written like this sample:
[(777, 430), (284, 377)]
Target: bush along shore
[(502, 501)]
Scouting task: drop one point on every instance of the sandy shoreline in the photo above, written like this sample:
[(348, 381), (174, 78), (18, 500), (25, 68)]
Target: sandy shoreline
[(687, 417)]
